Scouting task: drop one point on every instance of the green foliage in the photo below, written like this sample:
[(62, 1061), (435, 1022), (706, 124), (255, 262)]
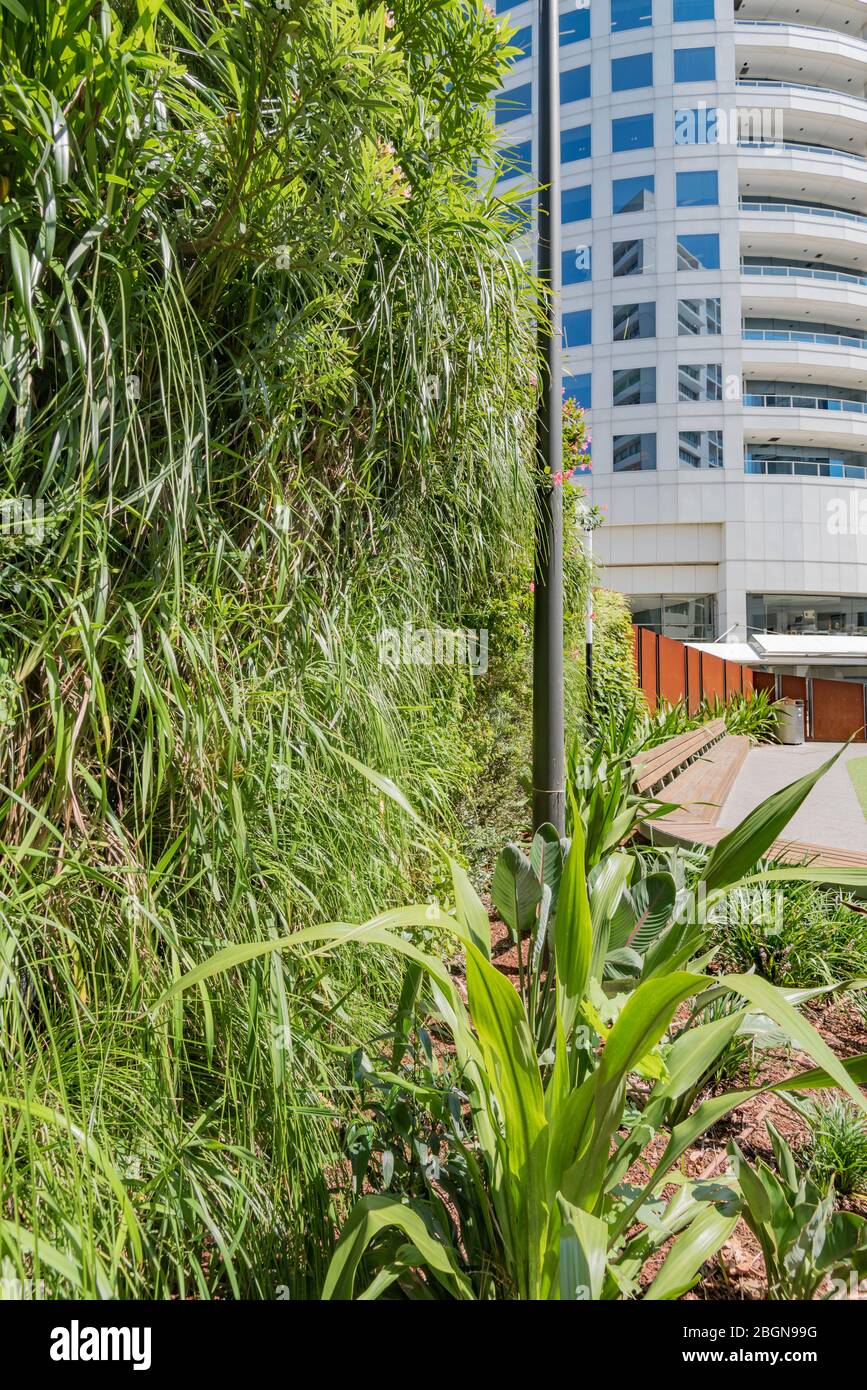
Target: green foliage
[(266, 366), (804, 1240), (753, 714), (532, 1199), (837, 1148), (806, 935)]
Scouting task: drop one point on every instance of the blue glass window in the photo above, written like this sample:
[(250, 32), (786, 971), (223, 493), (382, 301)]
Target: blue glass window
[(632, 133), (697, 188), (685, 11), (576, 265), (577, 389), (635, 257), (517, 159), (694, 65), (631, 14), (633, 195), (633, 321), (512, 105), (576, 204), (577, 328), (698, 316), (575, 144), (698, 251), (575, 84), (634, 452), (636, 71), (575, 25), (523, 40), (700, 449), (633, 386)]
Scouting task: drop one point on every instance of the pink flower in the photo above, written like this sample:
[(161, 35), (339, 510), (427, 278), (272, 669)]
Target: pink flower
[(532, 587), (389, 19), (534, 380), (489, 11)]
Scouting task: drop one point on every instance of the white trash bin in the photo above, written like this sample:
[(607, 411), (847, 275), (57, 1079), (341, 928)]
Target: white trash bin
[(790, 721)]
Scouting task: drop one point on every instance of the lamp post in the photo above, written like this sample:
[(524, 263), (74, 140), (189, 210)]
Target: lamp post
[(549, 773)]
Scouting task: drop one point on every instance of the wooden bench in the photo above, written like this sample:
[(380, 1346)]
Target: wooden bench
[(657, 766), (700, 791), (669, 831), (697, 771)]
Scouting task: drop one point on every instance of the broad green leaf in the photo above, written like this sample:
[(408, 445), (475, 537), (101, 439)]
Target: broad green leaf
[(773, 1002), (693, 1052), (693, 1247), (325, 938), (367, 1219), (583, 1252), (546, 857), (573, 933), (512, 1074), (516, 891), (470, 910)]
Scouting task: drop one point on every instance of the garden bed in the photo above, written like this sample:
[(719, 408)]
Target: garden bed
[(737, 1271)]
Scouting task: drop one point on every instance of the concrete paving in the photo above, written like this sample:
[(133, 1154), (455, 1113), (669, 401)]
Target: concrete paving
[(832, 813)]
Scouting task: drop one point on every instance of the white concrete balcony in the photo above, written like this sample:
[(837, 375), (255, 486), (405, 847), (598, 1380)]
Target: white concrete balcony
[(802, 53), (804, 231), (801, 292), (803, 424)]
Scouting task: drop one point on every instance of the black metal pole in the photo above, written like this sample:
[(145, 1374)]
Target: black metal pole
[(548, 724)]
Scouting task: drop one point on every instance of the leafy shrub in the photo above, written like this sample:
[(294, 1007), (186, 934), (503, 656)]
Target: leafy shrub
[(267, 366), (806, 935), (753, 714), (531, 1199), (837, 1150), (804, 1240)]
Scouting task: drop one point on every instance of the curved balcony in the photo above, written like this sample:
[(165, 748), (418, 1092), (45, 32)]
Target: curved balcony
[(797, 414), (800, 147), (788, 335), (804, 210), (783, 83), (765, 400), (780, 108), (807, 294), (804, 468), (795, 27), (792, 272)]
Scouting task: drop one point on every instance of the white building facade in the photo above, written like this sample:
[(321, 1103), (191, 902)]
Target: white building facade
[(714, 173)]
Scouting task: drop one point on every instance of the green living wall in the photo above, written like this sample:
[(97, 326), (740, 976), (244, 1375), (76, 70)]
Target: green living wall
[(266, 392)]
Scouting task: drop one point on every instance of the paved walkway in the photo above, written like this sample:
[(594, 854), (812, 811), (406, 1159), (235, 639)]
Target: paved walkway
[(831, 815)]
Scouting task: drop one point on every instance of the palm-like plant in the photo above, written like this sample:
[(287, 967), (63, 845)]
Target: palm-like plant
[(546, 1209)]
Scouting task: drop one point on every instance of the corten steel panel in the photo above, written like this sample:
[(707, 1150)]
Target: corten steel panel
[(838, 711), (713, 676), (648, 667), (693, 678), (747, 676), (793, 688), (764, 680), (671, 670), (733, 678)]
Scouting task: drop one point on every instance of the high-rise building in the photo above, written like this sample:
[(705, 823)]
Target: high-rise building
[(714, 207)]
